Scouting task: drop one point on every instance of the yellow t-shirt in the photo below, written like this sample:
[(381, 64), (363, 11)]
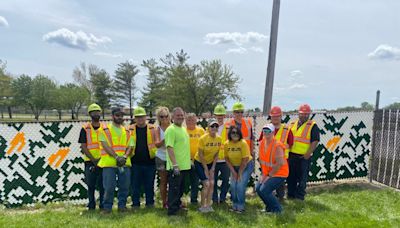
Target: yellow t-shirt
[(236, 151), (210, 147), (194, 136)]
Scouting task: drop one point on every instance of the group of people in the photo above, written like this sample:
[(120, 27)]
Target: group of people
[(179, 150)]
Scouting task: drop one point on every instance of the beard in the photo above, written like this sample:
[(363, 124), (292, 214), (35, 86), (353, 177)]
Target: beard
[(118, 121), (96, 118)]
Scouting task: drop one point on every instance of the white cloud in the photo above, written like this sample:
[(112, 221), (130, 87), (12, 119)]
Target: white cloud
[(385, 52), (78, 40), (106, 54), (296, 74), (297, 86), (257, 49), (236, 38), (3, 22), (239, 50)]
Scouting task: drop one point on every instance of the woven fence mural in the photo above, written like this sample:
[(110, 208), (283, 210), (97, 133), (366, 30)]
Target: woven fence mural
[(42, 162)]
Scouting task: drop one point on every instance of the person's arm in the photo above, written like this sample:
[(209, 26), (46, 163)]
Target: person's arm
[(229, 163), (214, 164), (251, 142), (109, 150), (203, 162), (242, 167), (315, 137), (171, 155), (87, 153), (159, 143)]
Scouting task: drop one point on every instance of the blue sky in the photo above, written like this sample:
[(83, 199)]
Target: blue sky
[(330, 53)]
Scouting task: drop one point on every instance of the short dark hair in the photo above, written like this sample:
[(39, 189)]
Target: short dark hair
[(234, 127)]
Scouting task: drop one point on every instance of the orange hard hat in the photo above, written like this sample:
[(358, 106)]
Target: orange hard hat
[(305, 108), (275, 111)]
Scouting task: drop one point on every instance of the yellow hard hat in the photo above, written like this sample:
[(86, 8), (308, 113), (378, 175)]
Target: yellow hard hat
[(238, 106), (139, 111), (219, 110), (94, 107)]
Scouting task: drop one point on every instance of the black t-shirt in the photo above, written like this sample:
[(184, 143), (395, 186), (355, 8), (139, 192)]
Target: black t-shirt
[(82, 135), (314, 133), (142, 156)]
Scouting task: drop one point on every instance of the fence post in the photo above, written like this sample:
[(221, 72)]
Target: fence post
[(371, 157)]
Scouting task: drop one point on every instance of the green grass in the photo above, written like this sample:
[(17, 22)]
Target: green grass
[(344, 205)]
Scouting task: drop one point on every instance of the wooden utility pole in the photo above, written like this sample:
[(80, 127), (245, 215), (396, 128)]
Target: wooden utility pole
[(269, 82)]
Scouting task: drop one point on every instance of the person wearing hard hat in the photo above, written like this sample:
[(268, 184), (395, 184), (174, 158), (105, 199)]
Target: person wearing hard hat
[(221, 169), (117, 146), (143, 160), (195, 132), (244, 124), (274, 169), (283, 134), (306, 138), (90, 146)]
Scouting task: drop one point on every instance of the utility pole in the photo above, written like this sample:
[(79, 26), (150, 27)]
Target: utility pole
[(269, 81)]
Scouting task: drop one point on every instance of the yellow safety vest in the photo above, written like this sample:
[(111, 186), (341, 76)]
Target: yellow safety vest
[(151, 133), (302, 137), (92, 141), (282, 136), (224, 137), (118, 144)]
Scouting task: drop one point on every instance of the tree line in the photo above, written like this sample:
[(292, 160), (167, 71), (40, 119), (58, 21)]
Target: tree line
[(170, 81)]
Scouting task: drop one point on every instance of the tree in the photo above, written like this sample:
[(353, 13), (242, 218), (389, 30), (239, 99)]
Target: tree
[(395, 105), (36, 93), (74, 97), (82, 76), (102, 88), (124, 85), (367, 106), (59, 101), (6, 93), (152, 94)]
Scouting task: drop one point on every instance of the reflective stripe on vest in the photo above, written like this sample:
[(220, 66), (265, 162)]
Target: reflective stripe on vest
[(302, 136), (151, 132), (282, 136), (119, 147), (268, 159), (92, 141)]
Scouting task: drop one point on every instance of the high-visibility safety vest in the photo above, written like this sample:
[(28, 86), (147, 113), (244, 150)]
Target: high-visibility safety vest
[(302, 136), (224, 137), (246, 130), (282, 135), (118, 144), (268, 158), (151, 136), (92, 141)]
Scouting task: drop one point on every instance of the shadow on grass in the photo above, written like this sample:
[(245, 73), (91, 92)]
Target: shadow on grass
[(342, 188)]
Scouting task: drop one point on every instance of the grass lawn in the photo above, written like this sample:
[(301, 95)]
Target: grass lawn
[(342, 205)]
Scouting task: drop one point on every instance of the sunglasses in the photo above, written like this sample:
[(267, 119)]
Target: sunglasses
[(234, 133), (214, 126), (238, 112), (119, 115), (267, 131), (163, 117)]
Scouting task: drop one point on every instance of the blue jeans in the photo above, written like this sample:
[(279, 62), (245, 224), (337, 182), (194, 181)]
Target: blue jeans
[(223, 171), (110, 181), (238, 188), (265, 191), (142, 176), (93, 179), (298, 175)]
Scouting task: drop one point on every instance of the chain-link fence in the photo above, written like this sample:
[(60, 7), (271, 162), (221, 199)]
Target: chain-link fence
[(42, 162), (385, 167)]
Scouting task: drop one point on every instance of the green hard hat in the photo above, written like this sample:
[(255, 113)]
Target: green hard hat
[(94, 107), (219, 110), (238, 106), (139, 111)]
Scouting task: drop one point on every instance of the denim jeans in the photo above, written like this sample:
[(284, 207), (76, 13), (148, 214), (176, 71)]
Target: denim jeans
[(265, 191), (238, 188), (93, 179), (142, 176), (221, 169), (110, 181), (298, 175)]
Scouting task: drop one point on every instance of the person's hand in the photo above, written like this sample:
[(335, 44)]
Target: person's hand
[(95, 161), (211, 173), (176, 171), (235, 175), (307, 156), (120, 161)]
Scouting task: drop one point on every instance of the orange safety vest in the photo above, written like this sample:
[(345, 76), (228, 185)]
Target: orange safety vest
[(118, 145), (246, 130), (302, 137), (268, 158), (92, 141), (151, 137), (282, 135)]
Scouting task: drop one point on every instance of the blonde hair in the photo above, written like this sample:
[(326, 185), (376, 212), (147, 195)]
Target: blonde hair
[(162, 110), (191, 115)]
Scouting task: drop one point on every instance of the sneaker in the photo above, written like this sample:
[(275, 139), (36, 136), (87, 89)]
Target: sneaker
[(203, 209), (210, 209), (239, 211), (232, 209)]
